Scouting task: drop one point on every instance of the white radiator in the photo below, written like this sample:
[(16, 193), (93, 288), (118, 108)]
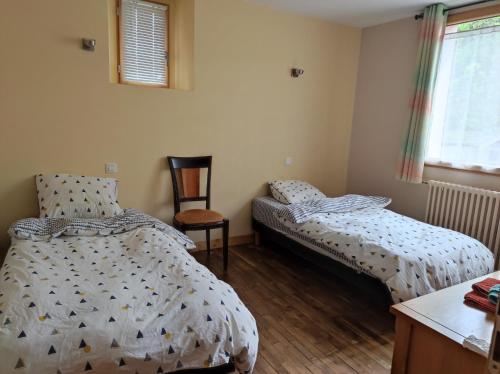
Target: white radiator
[(471, 211)]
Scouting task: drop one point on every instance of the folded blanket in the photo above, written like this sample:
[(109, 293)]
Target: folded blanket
[(44, 229), (301, 212)]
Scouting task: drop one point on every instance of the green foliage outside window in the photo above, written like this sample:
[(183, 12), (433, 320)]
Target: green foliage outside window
[(479, 24)]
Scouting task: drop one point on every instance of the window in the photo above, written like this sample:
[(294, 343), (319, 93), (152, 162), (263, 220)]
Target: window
[(465, 120), (143, 42)]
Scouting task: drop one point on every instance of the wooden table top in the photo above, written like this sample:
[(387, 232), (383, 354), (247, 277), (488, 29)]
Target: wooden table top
[(445, 312)]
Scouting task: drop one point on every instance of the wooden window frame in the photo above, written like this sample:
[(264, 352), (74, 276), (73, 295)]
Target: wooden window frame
[(167, 44), (437, 165), (473, 15)]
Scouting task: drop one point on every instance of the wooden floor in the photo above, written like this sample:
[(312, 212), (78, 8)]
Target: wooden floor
[(308, 320)]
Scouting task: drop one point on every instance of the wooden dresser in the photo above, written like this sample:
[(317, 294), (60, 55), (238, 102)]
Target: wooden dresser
[(430, 331)]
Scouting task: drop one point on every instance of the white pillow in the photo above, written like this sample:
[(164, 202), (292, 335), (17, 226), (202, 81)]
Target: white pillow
[(292, 191), (69, 196)]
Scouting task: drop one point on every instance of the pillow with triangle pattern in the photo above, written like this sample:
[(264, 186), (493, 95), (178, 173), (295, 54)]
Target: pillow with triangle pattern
[(71, 196), (294, 191)]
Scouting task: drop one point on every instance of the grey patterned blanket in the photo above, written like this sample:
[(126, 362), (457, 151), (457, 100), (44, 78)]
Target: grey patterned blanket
[(44, 229), (301, 212)]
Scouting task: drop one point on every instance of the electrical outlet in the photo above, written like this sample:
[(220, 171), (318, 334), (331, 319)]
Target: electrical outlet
[(111, 168), (288, 161)]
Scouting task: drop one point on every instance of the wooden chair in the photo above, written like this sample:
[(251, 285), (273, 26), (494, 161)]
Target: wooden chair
[(185, 173)]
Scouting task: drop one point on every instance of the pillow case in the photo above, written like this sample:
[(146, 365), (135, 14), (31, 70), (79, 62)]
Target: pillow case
[(70, 196), (293, 191)]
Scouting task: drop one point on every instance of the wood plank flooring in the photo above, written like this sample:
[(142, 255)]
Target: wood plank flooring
[(309, 321)]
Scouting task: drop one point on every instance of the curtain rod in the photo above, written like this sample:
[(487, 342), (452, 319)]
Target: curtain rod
[(421, 15)]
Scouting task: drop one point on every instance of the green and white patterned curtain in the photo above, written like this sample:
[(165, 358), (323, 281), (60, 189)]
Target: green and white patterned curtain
[(411, 163)]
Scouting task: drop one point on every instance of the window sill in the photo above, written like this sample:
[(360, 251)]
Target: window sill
[(470, 169), (138, 84), (149, 87)]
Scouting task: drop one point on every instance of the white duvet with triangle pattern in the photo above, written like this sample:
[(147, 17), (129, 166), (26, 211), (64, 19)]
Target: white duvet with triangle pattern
[(411, 257), (134, 302)]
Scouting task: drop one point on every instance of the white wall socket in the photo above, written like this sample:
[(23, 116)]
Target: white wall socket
[(111, 167), (288, 161)]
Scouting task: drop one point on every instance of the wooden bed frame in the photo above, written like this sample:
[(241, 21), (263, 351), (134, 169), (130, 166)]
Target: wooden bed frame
[(365, 284)]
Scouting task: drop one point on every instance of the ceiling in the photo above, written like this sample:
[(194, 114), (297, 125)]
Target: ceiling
[(360, 13)]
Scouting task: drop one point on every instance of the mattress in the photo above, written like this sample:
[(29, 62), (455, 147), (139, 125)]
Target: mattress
[(129, 302), (410, 257)]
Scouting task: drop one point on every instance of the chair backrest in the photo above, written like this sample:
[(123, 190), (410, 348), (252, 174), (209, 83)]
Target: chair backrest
[(185, 172)]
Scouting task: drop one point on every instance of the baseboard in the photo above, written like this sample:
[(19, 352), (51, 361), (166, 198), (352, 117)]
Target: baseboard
[(233, 241)]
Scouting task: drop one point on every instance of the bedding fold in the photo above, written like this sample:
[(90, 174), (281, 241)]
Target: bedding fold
[(301, 212), (43, 229)]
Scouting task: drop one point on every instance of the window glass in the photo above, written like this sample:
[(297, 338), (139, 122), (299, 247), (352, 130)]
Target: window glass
[(465, 121)]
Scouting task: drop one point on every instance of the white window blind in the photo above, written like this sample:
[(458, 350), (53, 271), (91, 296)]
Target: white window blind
[(143, 42), (465, 122)]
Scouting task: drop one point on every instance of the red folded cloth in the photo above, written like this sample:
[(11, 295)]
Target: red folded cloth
[(482, 288), (478, 297), (474, 300)]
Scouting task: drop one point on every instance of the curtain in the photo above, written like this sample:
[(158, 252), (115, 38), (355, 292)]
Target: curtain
[(411, 164)]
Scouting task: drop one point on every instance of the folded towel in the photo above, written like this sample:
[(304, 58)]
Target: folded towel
[(479, 302), (480, 297), (482, 288), (493, 294)]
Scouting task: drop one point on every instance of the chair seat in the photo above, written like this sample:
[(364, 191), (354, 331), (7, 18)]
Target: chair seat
[(198, 217)]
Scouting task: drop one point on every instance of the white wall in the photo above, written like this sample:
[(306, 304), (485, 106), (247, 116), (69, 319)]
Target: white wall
[(381, 112), (60, 113)]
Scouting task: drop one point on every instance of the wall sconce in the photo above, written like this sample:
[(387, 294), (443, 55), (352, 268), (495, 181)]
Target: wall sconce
[(296, 72), (88, 45)]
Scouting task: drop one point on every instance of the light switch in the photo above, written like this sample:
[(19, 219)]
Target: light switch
[(288, 161), (111, 168)]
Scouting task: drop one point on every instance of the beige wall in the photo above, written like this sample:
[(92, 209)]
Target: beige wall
[(387, 64), (59, 111)]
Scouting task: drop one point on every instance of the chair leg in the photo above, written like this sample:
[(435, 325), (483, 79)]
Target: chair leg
[(208, 240), (225, 243)]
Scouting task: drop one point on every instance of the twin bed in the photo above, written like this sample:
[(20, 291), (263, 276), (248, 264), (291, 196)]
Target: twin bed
[(119, 294), (408, 257)]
